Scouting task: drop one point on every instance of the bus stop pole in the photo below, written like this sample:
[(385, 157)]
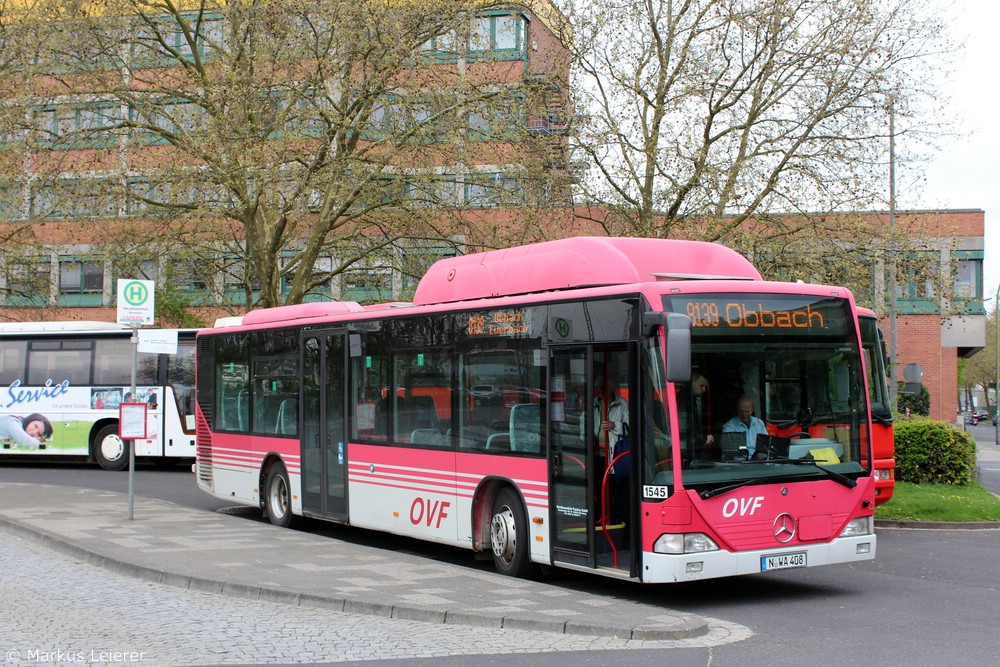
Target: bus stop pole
[(131, 443)]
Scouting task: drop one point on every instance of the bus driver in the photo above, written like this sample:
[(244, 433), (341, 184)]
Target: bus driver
[(745, 422)]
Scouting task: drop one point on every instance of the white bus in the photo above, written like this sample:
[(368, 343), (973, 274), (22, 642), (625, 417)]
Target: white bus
[(61, 385)]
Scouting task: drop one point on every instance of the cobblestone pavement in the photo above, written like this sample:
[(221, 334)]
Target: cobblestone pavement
[(212, 552), (55, 610)]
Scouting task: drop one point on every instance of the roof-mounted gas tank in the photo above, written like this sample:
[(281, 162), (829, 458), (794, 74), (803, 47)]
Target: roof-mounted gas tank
[(584, 261)]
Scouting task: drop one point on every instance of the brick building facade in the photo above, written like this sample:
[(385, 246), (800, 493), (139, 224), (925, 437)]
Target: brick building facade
[(56, 187), (940, 312)]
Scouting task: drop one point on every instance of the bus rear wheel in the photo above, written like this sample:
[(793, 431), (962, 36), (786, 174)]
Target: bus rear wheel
[(509, 536), (277, 496), (110, 451)]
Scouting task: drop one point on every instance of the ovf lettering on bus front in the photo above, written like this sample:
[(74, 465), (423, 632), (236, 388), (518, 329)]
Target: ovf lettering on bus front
[(428, 511), (742, 506)]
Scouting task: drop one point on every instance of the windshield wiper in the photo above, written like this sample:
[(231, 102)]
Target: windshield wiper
[(705, 495), (835, 476), (882, 420)]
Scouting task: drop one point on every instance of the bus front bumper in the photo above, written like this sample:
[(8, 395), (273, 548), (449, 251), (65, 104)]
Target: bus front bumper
[(665, 568)]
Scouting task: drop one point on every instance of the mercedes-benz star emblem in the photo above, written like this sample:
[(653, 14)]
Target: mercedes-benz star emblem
[(784, 528)]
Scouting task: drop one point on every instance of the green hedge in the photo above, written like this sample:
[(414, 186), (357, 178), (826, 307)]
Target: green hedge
[(933, 452), (919, 403)]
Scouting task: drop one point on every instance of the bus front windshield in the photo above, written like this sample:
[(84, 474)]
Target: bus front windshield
[(777, 393)]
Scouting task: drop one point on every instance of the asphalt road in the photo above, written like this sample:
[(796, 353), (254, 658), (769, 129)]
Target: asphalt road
[(989, 470), (174, 483), (929, 598)]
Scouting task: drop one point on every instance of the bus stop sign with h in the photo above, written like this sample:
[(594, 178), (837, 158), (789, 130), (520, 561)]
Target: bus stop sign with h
[(135, 308), (135, 302)]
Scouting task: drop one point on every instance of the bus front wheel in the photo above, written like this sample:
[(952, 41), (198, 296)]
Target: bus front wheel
[(509, 535), (110, 451), (277, 496)]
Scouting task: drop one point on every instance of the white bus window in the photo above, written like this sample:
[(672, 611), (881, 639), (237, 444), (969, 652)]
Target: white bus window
[(11, 361), (53, 362)]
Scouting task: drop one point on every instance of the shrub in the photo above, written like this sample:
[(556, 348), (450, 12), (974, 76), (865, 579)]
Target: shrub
[(933, 452), (919, 403)]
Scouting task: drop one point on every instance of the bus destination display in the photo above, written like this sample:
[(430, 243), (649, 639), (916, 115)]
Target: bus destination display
[(739, 313), (514, 322)]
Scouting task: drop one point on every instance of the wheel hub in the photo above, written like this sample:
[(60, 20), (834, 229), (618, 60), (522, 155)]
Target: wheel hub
[(112, 448), (279, 498), (503, 535)]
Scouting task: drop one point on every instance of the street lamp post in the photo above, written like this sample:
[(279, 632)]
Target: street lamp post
[(893, 278), (996, 376)]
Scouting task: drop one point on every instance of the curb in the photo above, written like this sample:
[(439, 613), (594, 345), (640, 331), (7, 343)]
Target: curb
[(682, 626), (938, 525)]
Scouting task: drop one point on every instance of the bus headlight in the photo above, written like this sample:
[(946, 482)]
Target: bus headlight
[(684, 543), (860, 526), (883, 474)]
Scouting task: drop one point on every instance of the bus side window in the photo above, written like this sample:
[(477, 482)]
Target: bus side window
[(233, 397), (526, 428), (243, 410), (381, 430), (288, 418)]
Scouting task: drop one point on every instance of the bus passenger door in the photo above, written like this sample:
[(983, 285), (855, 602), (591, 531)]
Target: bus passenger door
[(571, 469), (591, 508), (323, 441)]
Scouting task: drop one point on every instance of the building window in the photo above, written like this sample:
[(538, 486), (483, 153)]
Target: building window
[(130, 269), (320, 292), (28, 283), (192, 278), (367, 284), (165, 43), (493, 190), (11, 200), (75, 198), (235, 281), (500, 37), (80, 277), (78, 126), (441, 48), (421, 116), (433, 190), (415, 262), (81, 282), (166, 117), (919, 276), (967, 283), (501, 119)]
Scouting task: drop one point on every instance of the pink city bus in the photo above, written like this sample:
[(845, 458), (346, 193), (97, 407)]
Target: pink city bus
[(490, 413), (883, 443)]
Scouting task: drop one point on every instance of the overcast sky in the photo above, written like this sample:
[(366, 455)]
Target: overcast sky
[(966, 174)]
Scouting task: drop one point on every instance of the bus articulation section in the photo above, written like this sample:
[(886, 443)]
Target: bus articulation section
[(64, 382), (488, 413)]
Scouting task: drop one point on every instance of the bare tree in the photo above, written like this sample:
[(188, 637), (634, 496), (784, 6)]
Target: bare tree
[(280, 142), (702, 118), (12, 110), (19, 274)]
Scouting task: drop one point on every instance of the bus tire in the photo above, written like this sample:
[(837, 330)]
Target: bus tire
[(277, 496), (509, 535), (110, 451)]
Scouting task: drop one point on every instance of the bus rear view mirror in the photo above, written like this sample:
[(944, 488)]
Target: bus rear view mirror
[(677, 329)]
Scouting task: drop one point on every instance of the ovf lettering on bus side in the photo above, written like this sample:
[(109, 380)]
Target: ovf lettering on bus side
[(744, 506), (425, 510), (17, 396)]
